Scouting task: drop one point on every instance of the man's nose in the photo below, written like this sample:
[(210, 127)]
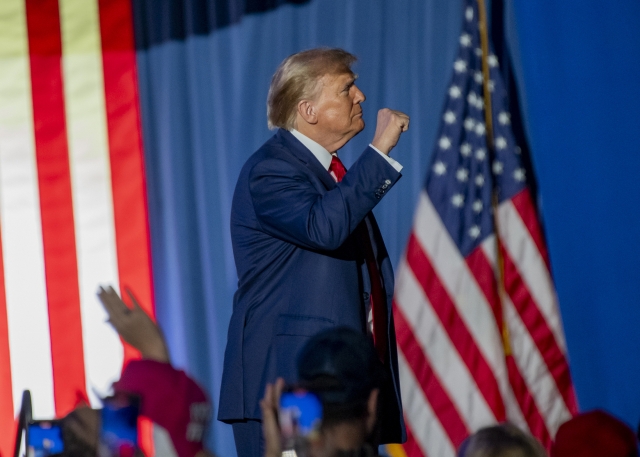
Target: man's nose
[(359, 97)]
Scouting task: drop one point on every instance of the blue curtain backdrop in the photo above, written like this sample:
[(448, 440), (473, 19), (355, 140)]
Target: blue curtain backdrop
[(204, 70)]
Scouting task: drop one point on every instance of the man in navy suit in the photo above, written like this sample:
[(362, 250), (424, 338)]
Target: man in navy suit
[(308, 251)]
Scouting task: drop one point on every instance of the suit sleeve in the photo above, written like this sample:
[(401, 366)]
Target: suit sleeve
[(288, 206)]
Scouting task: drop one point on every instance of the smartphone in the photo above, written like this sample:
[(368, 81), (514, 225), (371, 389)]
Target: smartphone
[(300, 415), (45, 438), (119, 426)]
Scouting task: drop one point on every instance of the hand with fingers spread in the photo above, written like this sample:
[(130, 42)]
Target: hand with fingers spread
[(390, 125), (134, 325)]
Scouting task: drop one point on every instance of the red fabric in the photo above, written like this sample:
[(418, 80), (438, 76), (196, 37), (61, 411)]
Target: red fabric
[(171, 399), (594, 434), (377, 296)]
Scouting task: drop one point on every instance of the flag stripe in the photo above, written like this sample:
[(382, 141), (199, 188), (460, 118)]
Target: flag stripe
[(27, 314), (433, 340), (536, 326), (127, 163), (534, 419), (531, 365), (524, 204), (428, 430), (434, 392), (91, 186), (126, 154), (7, 422), (56, 206), (516, 240), (411, 446)]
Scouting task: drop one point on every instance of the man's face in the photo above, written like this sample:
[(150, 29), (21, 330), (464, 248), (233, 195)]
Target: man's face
[(338, 108)]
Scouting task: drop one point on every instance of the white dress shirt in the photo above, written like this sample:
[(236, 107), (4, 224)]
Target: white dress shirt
[(324, 156)]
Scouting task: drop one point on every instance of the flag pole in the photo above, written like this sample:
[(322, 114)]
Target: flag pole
[(488, 119)]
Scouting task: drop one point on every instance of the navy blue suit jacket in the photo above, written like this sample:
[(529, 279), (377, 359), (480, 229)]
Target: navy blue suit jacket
[(301, 269)]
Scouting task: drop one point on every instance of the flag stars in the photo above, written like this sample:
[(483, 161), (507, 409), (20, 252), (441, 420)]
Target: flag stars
[(498, 167), (481, 154), (469, 123), (449, 117), (480, 129), (457, 200), (462, 174), (477, 76), (465, 40), (504, 118), (477, 206), (465, 149), (501, 142), (460, 66), (454, 92), (444, 143), (478, 52), (517, 150), (474, 232), (492, 60), (492, 85), (439, 168), (519, 174), (479, 180), (468, 14)]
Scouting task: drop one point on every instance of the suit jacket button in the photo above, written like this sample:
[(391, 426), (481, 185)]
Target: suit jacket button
[(387, 181)]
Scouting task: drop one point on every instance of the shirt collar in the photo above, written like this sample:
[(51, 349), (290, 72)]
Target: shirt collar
[(320, 153)]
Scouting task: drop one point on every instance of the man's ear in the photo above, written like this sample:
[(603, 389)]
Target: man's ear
[(308, 111), (372, 409)]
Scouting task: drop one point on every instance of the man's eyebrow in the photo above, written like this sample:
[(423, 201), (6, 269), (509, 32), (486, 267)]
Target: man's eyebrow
[(351, 81)]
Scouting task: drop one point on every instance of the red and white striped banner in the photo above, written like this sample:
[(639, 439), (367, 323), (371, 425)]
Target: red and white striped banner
[(72, 199)]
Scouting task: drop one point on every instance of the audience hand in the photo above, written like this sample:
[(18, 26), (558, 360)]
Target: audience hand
[(134, 325), (270, 427)]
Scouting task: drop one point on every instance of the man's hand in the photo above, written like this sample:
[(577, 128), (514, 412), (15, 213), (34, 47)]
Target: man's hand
[(270, 427), (134, 325), (390, 125)]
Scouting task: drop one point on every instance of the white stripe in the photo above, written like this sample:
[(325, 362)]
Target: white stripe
[(531, 266), (461, 285), (426, 427), (27, 311), (91, 186), (443, 356), (539, 381)]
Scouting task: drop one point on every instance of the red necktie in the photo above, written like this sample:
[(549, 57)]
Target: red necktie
[(377, 297)]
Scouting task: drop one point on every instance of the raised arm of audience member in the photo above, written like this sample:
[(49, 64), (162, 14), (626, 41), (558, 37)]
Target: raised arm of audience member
[(134, 325)]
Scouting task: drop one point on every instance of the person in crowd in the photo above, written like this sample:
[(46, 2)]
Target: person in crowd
[(504, 440), (308, 251), (595, 434), (341, 367), (177, 406)]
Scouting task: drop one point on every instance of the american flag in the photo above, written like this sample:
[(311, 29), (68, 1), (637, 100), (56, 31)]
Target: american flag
[(469, 355), (72, 199)]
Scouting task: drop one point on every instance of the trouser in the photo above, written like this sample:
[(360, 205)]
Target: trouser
[(248, 437)]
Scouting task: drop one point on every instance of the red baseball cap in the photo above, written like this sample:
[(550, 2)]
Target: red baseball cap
[(171, 399)]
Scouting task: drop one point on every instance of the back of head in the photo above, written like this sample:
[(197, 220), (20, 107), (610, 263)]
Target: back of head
[(504, 440), (341, 367), (297, 79), (595, 434)]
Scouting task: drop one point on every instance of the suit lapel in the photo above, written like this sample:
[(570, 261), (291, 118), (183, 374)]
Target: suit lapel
[(305, 156)]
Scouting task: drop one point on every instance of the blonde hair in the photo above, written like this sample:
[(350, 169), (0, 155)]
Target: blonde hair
[(297, 79), (504, 440)]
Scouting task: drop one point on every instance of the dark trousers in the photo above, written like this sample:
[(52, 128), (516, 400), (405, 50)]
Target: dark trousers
[(248, 437)]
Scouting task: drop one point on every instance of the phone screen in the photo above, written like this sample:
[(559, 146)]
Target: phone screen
[(119, 426), (300, 416), (45, 438)]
